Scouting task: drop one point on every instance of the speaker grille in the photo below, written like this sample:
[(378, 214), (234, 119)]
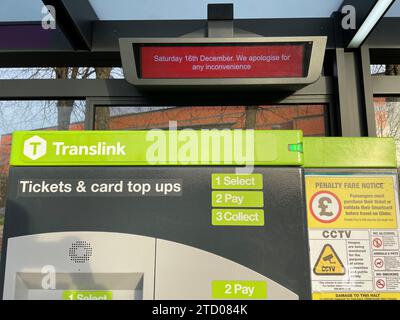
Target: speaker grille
[(80, 251)]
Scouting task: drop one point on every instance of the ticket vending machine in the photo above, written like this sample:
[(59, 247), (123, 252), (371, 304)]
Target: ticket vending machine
[(156, 215), (353, 218)]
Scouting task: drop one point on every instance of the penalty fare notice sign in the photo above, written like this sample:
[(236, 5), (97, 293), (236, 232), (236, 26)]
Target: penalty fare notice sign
[(353, 222)]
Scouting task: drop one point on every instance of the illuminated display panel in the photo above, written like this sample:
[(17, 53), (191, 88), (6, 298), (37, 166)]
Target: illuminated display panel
[(224, 61)]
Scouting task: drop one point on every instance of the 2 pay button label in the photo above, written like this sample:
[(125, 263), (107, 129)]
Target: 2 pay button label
[(35, 147)]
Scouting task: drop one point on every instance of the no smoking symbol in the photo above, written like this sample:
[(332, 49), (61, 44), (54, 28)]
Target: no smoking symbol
[(377, 242), (380, 284), (325, 206)]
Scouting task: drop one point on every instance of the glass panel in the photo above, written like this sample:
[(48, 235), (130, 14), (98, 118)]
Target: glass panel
[(27, 73), (394, 10), (309, 118), (53, 73), (387, 117), (21, 10), (385, 69), (378, 69), (197, 9), (33, 115)]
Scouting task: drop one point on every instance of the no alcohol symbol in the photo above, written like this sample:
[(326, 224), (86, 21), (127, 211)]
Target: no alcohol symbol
[(325, 206), (377, 243)]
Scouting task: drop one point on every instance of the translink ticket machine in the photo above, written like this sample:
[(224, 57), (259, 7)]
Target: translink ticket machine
[(207, 214), (168, 215)]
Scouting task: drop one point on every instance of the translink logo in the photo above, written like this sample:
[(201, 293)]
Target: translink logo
[(36, 147), (98, 149)]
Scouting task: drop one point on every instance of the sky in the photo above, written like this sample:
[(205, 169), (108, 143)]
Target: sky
[(20, 10), (197, 9), (30, 10)]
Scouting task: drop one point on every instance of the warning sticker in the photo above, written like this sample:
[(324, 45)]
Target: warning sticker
[(329, 262), (351, 202), (355, 296), (354, 236)]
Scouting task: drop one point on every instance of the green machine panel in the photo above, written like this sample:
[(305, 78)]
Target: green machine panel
[(349, 153), (214, 214), (157, 147), (156, 215)]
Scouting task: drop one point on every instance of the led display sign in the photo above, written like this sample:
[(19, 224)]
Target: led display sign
[(223, 61)]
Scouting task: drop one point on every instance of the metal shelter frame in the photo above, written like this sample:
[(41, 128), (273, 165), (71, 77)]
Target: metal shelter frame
[(346, 84)]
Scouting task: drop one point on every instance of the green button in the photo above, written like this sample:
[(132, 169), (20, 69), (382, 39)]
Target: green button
[(237, 217), (87, 295), (239, 199), (239, 289), (237, 181)]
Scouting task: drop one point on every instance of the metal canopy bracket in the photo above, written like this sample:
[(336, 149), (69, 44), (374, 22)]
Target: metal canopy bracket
[(75, 18), (220, 20)]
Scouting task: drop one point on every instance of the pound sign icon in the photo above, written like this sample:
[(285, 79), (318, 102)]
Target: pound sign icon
[(322, 204), (325, 206)]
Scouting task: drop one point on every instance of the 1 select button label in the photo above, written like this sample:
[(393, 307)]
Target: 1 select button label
[(87, 295), (237, 181)]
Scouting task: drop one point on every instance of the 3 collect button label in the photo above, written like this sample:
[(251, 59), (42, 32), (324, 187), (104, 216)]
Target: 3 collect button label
[(237, 217)]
